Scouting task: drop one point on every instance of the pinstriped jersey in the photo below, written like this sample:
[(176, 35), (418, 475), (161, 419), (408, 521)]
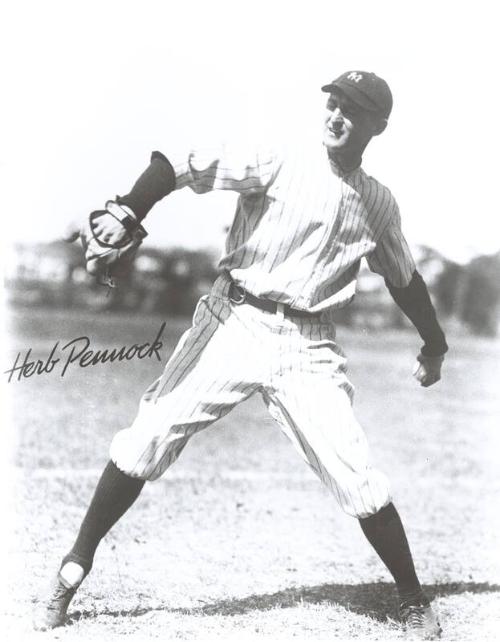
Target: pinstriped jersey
[(300, 230)]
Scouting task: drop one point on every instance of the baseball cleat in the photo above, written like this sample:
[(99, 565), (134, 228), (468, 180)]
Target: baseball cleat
[(52, 612), (420, 622)]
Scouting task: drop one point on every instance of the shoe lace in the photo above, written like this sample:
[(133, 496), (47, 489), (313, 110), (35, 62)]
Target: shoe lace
[(414, 616)]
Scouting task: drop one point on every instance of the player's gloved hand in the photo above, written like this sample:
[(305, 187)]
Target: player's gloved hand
[(427, 370), (110, 239)]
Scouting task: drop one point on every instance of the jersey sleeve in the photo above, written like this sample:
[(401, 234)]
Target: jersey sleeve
[(226, 168), (392, 257)]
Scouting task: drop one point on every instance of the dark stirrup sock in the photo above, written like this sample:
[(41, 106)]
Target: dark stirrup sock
[(113, 496), (386, 534)]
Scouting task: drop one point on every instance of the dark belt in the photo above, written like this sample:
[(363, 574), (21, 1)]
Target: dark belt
[(239, 295)]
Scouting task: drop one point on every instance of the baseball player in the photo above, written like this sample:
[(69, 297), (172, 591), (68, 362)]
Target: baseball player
[(303, 222)]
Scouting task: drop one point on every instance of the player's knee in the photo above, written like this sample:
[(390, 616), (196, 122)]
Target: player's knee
[(130, 471), (362, 512), (357, 511), (142, 456), (365, 499)]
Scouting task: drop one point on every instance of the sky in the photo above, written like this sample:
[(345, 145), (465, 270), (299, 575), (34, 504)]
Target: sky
[(91, 88)]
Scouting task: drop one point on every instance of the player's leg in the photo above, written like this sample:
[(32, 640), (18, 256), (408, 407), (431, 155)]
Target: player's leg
[(311, 399), (385, 532), (211, 370), (114, 494)]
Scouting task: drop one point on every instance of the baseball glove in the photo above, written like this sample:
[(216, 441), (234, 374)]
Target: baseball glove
[(110, 239)]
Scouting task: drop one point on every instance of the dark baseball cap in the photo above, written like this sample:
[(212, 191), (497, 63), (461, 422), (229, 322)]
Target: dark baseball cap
[(365, 89)]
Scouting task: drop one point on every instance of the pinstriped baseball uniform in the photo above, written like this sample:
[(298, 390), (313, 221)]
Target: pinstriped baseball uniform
[(298, 236)]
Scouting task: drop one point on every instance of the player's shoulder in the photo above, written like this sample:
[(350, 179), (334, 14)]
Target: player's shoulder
[(287, 158), (235, 147), (303, 157), (258, 152), (376, 195)]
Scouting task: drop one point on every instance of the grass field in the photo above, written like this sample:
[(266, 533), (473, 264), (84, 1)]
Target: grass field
[(239, 540)]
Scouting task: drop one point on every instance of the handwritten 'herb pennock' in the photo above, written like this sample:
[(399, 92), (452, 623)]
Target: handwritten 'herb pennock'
[(79, 353)]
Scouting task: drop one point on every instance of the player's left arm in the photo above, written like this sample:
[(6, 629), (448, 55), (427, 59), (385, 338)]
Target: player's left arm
[(111, 236), (392, 259), (223, 168)]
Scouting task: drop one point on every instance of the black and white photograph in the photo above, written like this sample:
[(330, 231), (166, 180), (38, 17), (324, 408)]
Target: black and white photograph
[(250, 321)]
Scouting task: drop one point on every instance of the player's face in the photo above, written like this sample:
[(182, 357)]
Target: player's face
[(347, 126)]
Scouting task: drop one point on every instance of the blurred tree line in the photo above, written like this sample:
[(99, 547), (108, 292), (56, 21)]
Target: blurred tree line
[(170, 281)]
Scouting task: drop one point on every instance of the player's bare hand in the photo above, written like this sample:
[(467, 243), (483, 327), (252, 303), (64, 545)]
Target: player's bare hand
[(427, 370), (110, 239), (108, 229)]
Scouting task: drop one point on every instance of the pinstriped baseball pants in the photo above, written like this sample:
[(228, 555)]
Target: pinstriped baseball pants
[(232, 351)]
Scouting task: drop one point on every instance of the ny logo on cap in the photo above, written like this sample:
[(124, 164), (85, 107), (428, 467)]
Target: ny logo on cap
[(355, 76)]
